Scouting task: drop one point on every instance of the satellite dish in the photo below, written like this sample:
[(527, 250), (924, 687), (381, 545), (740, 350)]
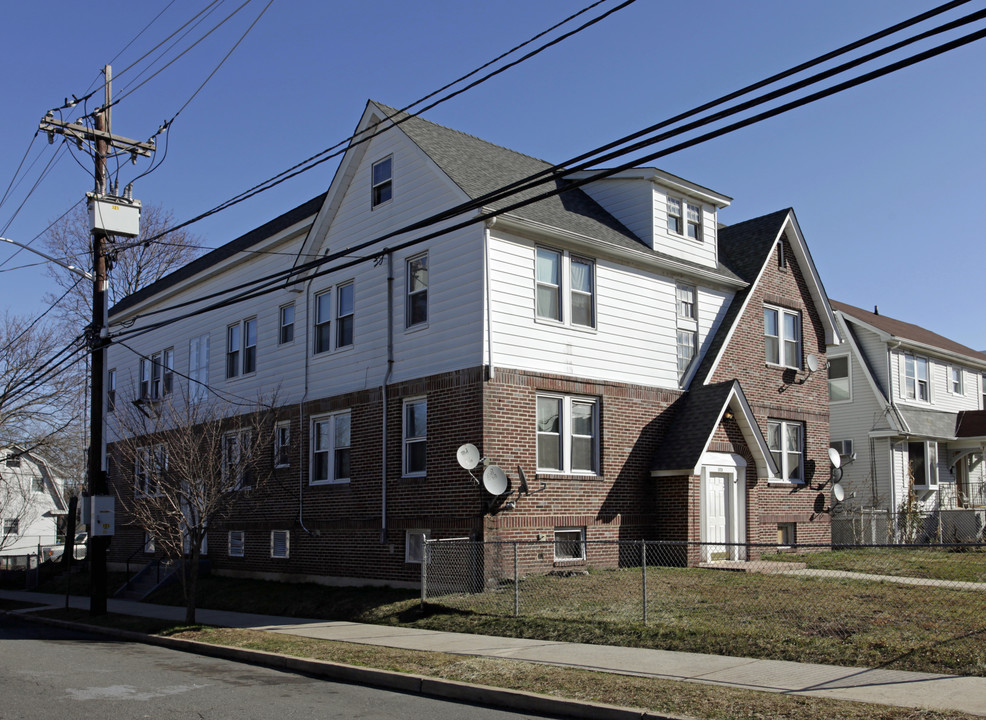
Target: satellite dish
[(468, 456), (523, 480), (812, 362), (495, 480), (834, 457), (838, 493)]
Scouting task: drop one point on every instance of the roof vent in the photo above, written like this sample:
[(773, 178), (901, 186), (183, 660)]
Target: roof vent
[(876, 309)]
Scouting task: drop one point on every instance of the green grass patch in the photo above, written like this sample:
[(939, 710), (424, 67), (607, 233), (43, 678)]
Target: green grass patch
[(956, 563)]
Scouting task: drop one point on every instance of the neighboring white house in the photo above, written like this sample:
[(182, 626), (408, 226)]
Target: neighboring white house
[(31, 502), (907, 416)]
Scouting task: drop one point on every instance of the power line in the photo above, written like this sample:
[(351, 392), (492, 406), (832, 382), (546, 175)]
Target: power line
[(283, 279), (351, 141)]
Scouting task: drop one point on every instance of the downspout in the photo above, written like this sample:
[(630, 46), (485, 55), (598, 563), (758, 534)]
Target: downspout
[(893, 407), (384, 396), (301, 417), (489, 299)]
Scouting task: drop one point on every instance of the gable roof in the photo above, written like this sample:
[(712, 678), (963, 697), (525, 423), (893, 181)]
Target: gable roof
[(695, 420), (223, 252), (900, 330), (478, 167)]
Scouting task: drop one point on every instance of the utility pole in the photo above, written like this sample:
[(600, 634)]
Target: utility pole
[(103, 140)]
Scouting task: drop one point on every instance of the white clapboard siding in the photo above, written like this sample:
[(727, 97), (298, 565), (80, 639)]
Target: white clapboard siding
[(451, 340), (636, 325), (629, 201), (704, 252)]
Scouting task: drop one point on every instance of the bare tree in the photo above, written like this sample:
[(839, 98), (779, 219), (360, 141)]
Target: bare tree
[(133, 265), (34, 382), (17, 507), (185, 466)]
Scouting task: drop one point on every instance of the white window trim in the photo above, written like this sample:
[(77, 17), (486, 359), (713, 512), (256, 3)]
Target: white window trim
[(281, 448), (930, 464), (426, 553), (928, 381), (950, 385), (407, 440), (783, 479), (241, 351), (421, 324), (318, 322), (848, 378), (241, 542), (843, 447), (198, 368), (782, 338), (684, 205), (351, 285), (154, 387), (566, 290), (330, 420), (565, 434), (581, 542), (281, 324), (144, 457), (287, 544), (239, 435), (374, 185)]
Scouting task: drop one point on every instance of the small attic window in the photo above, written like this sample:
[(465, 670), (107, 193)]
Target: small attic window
[(382, 179), (781, 257)]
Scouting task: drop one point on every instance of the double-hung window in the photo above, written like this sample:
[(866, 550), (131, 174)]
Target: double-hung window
[(382, 182), (285, 324), (416, 302), (237, 541), (282, 444), (922, 464), (674, 215), (236, 461), (344, 315), (840, 389), (693, 221), (111, 391), (782, 336), (415, 437), (561, 296), (11, 526), (241, 348), (331, 442), (916, 378), (785, 439), (956, 384), (150, 466), (198, 368), (567, 434), (323, 322), (687, 332), (157, 374)]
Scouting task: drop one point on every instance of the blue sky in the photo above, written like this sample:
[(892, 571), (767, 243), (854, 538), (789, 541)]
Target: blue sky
[(886, 179)]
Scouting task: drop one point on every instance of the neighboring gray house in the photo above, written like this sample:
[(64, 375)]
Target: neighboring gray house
[(31, 502), (907, 416)]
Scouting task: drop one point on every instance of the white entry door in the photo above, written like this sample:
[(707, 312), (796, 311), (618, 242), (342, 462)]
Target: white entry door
[(717, 516)]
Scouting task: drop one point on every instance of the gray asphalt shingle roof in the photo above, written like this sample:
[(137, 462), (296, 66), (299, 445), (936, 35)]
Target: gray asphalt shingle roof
[(695, 418)]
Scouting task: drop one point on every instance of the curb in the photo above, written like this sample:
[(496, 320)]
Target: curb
[(518, 700)]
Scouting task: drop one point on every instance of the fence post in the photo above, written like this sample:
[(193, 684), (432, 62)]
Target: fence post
[(643, 565), (516, 584), (424, 575)]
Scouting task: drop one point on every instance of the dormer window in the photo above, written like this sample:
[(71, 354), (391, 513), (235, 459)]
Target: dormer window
[(684, 218), (674, 215), (382, 181), (694, 221)]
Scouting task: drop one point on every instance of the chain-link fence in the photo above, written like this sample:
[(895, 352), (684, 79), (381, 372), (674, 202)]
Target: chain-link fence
[(872, 526), (757, 600)]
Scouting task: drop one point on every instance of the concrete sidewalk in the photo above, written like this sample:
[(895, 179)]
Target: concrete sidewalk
[(873, 685)]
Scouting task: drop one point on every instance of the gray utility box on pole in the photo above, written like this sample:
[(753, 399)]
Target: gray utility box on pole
[(112, 215)]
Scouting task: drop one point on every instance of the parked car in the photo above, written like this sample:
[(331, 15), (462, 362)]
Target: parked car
[(53, 553)]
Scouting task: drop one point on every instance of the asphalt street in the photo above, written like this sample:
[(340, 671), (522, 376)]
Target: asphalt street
[(52, 673)]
